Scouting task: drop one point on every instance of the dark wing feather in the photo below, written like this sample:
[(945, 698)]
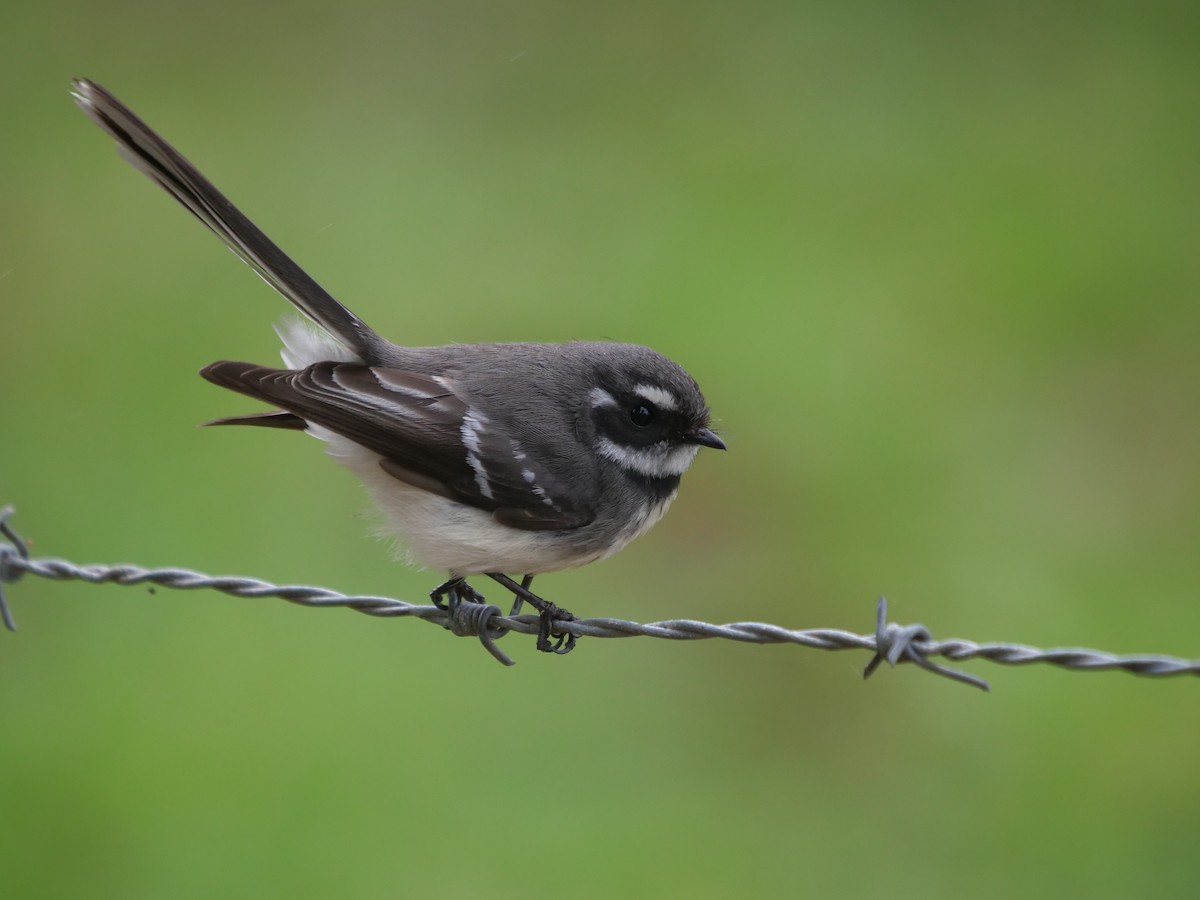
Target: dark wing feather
[(427, 435), (274, 419)]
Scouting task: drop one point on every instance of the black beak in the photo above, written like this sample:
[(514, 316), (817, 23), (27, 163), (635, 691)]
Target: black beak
[(706, 437)]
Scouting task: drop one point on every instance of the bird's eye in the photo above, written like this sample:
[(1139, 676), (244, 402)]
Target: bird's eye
[(641, 415)]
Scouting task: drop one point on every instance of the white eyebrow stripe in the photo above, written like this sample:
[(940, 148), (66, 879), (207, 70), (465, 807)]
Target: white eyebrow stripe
[(655, 461), (660, 397), (600, 397)]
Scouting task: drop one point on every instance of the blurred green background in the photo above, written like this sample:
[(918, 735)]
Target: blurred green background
[(936, 268)]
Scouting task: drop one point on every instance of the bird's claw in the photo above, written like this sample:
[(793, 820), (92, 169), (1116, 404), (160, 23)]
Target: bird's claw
[(549, 641), (449, 594)]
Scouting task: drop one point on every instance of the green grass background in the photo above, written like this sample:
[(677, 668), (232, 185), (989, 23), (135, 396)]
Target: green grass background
[(936, 268)]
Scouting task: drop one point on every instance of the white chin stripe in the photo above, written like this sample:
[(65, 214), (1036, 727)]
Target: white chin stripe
[(656, 461), (660, 397)]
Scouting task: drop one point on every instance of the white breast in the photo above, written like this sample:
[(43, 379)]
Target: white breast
[(441, 534)]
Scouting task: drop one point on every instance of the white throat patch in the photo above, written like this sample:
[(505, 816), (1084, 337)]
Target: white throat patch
[(659, 460)]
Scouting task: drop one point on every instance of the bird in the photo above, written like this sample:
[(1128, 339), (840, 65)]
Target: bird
[(484, 458)]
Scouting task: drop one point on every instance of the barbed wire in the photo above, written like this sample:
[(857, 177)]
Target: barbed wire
[(890, 642)]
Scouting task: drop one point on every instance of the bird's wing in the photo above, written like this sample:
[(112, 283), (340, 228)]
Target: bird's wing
[(428, 436)]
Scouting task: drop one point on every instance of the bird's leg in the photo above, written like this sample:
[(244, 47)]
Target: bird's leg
[(548, 614), (518, 600), (454, 591)]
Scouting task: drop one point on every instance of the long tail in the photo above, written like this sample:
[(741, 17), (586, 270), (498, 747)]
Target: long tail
[(141, 146)]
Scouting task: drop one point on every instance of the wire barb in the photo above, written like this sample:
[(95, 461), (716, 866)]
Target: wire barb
[(890, 642), (467, 618), (902, 643), (14, 549)]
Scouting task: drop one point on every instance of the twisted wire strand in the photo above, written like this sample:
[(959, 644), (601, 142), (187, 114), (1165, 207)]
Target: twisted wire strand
[(890, 643)]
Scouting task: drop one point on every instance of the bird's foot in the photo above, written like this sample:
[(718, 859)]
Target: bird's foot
[(449, 594), (548, 640)]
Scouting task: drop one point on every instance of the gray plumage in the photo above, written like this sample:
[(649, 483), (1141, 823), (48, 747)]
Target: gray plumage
[(483, 457)]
